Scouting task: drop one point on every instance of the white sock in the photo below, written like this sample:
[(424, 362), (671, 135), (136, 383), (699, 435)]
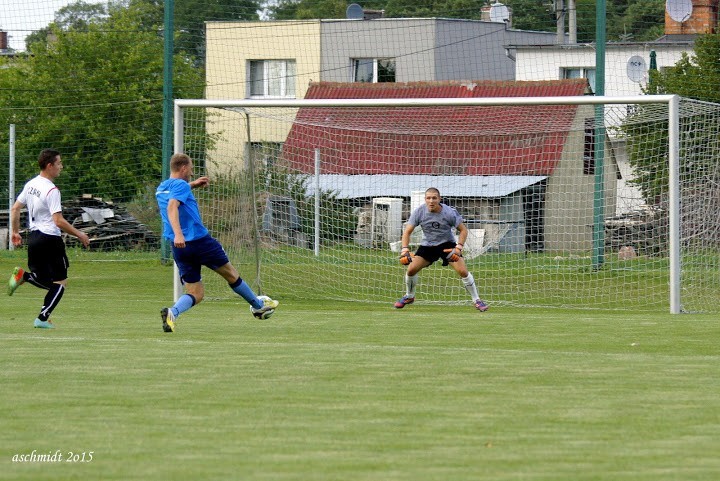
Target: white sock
[(470, 286), (411, 283)]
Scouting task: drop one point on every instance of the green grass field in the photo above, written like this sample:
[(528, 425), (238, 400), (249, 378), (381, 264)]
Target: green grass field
[(348, 391)]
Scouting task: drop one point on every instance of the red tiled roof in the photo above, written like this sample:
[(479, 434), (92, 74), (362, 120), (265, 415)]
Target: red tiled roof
[(488, 140)]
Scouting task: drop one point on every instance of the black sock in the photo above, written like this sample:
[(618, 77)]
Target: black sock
[(31, 278), (52, 299)]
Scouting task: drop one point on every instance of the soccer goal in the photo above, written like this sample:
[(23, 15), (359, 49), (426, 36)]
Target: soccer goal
[(575, 201)]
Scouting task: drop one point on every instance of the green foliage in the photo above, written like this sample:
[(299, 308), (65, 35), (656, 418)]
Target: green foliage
[(190, 17), (639, 20), (309, 9), (645, 138), (290, 9), (624, 21), (227, 206), (94, 94), (338, 220), (532, 15), (145, 209), (696, 77), (469, 9), (76, 16)]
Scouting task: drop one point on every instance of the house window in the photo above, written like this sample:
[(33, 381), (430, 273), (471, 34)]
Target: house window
[(272, 78), (579, 72), (373, 70), (589, 148)]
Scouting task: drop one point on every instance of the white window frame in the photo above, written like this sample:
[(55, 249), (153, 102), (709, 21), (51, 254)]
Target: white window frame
[(584, 73), (353, 68), (287, 80)]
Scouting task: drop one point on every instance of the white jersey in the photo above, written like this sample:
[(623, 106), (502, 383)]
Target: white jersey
[(42, 199)]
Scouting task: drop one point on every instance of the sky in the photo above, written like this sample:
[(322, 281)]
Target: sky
[(21, 17)]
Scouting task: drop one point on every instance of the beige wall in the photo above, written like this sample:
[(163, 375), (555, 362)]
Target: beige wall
[(230, 46), (570, 193)]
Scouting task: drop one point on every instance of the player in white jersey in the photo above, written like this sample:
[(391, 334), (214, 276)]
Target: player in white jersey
[(47, 261), (437, 221)]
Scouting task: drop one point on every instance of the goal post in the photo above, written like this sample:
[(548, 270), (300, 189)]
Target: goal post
[(325, 183)]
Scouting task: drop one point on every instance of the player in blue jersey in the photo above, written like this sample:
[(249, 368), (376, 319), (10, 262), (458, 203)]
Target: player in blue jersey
[(194, 247), (438, 242)]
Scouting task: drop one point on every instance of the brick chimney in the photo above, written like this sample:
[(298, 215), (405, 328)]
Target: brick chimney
[(704, 19)]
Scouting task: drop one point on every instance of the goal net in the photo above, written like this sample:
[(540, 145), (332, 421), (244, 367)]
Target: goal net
[(568, 202)]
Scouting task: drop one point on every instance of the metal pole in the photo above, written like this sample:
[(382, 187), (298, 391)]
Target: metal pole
[(167, 128), (598, 258), (178, 146), (11, 181), (317, 202), (425, 102), (674, 201), (250, 164)]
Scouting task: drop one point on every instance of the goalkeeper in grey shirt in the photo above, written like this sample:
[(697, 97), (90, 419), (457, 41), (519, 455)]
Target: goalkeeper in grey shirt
[(437, 221)]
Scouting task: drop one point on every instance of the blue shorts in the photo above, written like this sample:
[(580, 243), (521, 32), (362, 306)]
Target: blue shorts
[(433, 253), (205, 251)]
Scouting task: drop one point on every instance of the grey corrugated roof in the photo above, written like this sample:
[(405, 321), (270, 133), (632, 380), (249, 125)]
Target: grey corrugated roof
[(388, 185)]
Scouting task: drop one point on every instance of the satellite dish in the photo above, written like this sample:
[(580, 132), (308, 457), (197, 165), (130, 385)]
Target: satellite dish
[(679, 10), (636, 68), (499, 13), (354, 12)]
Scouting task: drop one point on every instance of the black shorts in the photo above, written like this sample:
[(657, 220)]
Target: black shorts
[(46, 257), (433, 253)]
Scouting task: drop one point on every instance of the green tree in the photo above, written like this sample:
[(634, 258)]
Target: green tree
[(310, 9), (190, 17), (95, 94), (468, 9), (532, 15), (77, 16), (639, 20), (695, 76)]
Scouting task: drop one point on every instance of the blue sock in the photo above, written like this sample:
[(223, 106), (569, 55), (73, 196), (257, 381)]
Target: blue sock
[(185, 302), (243, 289)]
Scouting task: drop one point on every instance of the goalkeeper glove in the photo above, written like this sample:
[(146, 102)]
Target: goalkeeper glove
[(406, 257), (454, 254)]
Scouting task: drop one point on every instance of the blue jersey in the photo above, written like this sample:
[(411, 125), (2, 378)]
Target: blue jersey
[(190, 220), (437, 227)]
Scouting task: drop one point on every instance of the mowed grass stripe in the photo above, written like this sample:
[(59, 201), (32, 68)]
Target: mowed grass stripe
[(328, 391), (350, 347)]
